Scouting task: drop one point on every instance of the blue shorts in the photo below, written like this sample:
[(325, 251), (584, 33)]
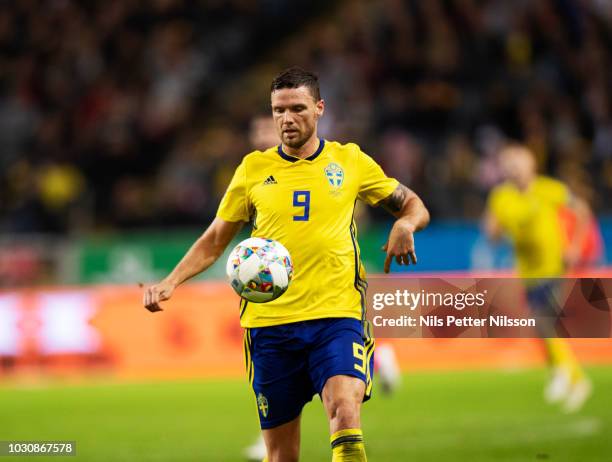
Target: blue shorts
[(290, 363), (542, 298)]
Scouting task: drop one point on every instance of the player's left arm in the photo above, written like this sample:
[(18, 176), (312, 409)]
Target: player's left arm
[(583, 214), (492, 227), (412, 216)]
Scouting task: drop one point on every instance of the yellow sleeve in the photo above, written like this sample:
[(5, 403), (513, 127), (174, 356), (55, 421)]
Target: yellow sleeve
[(555, 191), (508, 208), (495, 204), (375, 185), (235, 203)]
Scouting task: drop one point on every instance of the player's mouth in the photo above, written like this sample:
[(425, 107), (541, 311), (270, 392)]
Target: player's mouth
[(290, 132)]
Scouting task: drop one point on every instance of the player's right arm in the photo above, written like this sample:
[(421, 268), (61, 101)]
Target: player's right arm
[(496, 208), (233, 212), (202, 254), (411, 214), (491, 226)]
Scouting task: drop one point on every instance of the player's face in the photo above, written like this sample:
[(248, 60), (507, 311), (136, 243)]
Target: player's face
[(517, 165), (262, 133), (295, 114)]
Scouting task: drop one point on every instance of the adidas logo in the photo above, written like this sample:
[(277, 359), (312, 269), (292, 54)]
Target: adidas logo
[(270, 180)]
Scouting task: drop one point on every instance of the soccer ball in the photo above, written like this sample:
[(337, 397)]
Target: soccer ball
[(259, 270)]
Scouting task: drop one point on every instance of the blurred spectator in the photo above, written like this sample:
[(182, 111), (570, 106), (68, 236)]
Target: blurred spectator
[(127, 114)]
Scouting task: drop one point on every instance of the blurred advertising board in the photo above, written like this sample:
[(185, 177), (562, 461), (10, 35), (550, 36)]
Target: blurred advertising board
[(121, 258), (444, 246), (105, 330)]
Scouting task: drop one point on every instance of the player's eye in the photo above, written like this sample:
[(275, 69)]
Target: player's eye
[(278, 110)]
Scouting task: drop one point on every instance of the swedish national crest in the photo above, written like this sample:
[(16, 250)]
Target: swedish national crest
[(334, 174), (262, 405)]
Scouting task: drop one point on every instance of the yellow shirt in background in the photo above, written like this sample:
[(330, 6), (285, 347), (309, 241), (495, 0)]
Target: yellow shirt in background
[(531, 219)]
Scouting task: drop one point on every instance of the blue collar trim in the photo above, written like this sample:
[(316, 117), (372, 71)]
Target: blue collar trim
[(293, 159)]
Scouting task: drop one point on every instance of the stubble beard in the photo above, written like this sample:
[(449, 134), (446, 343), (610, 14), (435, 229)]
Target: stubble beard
[(299, 141)]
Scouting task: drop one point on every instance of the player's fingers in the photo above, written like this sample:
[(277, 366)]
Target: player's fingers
[(164, 295), (405, 259), (147, 297), (152, 295), (387, 266), (398, 259), (153, 307), (413, 256)]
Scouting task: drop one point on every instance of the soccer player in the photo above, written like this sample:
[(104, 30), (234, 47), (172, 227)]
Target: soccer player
[(526, 208), (262, 135), (314, 338)]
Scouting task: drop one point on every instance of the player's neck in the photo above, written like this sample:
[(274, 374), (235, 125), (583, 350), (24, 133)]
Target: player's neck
[(525, 183), (304, 151)]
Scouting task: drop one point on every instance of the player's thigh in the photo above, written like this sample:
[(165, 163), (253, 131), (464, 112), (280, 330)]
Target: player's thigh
[(543, 301), (342, 349), (542, 297), (279, 377), (283, 442)]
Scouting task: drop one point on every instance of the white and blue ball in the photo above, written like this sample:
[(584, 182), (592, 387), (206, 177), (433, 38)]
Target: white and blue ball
[(259, 269)]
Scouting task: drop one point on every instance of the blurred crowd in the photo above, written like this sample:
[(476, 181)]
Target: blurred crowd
[(126, 113)]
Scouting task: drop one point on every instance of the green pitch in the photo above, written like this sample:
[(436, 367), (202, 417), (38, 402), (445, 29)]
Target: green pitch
[(450, 416)]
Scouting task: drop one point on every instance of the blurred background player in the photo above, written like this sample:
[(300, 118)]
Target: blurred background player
[(262, 136), (591, 253), (526, 208)]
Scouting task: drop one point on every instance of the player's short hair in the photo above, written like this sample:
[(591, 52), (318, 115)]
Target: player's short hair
[(296, 77), (514, 145)]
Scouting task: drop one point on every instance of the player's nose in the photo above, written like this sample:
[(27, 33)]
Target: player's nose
[(287, 119)]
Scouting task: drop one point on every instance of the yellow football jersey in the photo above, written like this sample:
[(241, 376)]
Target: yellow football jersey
[(307, 205), (531, 220)]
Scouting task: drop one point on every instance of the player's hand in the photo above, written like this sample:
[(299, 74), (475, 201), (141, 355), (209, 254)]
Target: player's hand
[(572, 258), (400, 245), (157, 293)]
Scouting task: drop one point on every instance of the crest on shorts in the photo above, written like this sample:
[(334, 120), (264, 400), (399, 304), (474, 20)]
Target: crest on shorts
[(334, 174), (262, 405)]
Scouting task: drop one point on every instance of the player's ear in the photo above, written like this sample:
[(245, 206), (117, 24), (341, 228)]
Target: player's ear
[(320, 105)]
